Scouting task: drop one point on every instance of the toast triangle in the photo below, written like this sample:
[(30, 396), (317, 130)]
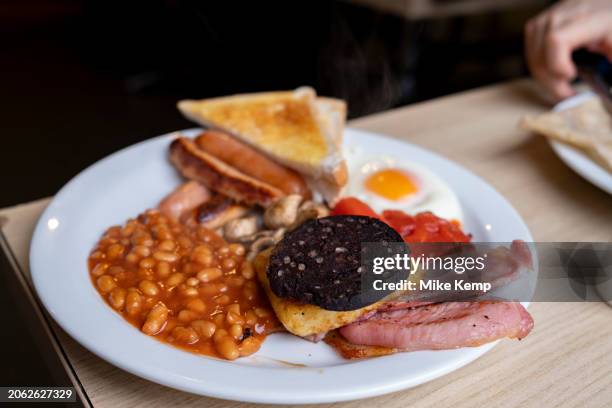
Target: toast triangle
[(296, 128)]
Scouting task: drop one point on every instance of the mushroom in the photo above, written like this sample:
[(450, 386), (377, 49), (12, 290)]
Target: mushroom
[(321, 209), (265, 240), (248, 239), (276, 234), (283, 212), (309, 210), (302, 217), (239, 228), (259, 245), (279, 234)]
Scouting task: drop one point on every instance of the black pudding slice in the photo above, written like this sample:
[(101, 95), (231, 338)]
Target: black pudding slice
[(320, 262)]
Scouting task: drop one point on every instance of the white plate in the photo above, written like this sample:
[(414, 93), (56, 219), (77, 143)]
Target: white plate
[(133, 179), (575, 158)]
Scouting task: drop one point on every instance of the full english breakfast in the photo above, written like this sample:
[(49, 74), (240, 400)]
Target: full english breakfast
[(261, 237)]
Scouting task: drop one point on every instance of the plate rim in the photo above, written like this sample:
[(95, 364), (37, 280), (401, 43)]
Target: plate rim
[(590, 170), (280, 398)]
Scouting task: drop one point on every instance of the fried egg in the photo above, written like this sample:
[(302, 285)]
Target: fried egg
[(388, 183)]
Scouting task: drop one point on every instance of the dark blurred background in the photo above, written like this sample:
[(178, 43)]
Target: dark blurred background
[(81, 79)]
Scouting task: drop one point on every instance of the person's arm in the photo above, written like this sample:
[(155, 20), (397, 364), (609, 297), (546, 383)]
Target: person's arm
[(552, 36)]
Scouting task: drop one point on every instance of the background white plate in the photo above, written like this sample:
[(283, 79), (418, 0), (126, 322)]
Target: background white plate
[(133, 179), (575, 158)]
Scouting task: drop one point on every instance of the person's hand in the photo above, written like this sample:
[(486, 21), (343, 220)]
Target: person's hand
[(551, 37)]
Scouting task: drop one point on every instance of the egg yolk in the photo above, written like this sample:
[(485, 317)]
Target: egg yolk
[(391, 184)]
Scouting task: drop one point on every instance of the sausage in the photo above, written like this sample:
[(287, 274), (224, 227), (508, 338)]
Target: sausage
[(249, 161), (196, 164), (217, 211), (184, 198)]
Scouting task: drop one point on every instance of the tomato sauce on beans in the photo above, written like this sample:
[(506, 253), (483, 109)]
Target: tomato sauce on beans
[(183, 285)]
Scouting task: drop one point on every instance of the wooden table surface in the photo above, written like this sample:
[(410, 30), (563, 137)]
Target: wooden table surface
[(565, 361)]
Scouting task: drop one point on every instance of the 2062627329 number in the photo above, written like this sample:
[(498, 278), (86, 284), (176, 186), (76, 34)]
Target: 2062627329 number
[(46, 394)]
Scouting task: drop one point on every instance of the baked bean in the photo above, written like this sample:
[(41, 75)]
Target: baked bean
[(185, 335), (249, 346), (144, 274), (163, 269), (166, 245), (209, 274), (247, 271), (149, 288), (219, 334), (233, 318), (115, 270), (204, 328), (234, 308), (183, 284), (114, 251), (148, 302), (128, 229), (197, 305), (227, 348), (191, 292), (144, 240), (164, 233), (99, 269), (132, 258), (237, 249), (209, 289), (106, 241), (223, 251), (165, 256), (97, 255), (184, 242), (203, 249), (133, 303), (170, 325), (155, 225), (106, 283), (228, 264), (205, 234), (147, 263), (186, 316), (141, 250), (175, 279), (222, 300), (250, 318), (114, 231), (204, 259), (156, 319), (235, 331), (219, 320), (117, 298)]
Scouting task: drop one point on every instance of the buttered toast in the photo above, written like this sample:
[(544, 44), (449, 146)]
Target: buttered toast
[(296, 128)]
